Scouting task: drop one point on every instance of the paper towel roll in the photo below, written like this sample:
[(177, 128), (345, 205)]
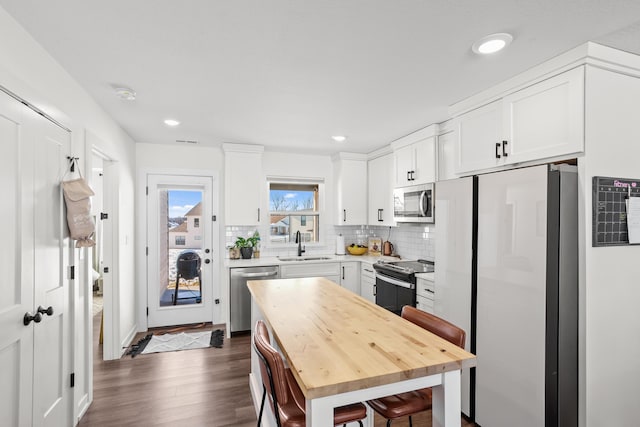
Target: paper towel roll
[(340, 245)]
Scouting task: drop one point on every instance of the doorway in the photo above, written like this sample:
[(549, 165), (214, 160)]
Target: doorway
[(180, 270)]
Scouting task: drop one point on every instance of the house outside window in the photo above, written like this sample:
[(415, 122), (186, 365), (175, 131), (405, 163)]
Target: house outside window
[(196, 222), (293, 207), (180, 240)]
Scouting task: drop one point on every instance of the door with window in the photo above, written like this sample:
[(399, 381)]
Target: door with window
[(180, 259)]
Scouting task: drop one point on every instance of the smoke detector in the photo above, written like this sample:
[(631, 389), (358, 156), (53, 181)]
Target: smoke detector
[(126, 93)]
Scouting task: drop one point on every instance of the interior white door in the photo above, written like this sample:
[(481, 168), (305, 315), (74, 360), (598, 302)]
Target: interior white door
[(172, 247), (34, 356), (52, 250), (511, 298)]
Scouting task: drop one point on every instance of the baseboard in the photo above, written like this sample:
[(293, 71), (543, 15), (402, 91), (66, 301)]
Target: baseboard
[(83, 407)]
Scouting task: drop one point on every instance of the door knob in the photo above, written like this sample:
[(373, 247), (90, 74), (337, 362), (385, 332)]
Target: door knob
[(207, 261), (28, 318), (48, 311)]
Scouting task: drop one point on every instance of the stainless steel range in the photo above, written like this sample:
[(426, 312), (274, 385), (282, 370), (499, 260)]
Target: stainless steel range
[(396, 282)]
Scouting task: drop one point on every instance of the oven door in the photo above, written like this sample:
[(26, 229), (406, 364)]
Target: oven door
[(393, 294), (413, 204)]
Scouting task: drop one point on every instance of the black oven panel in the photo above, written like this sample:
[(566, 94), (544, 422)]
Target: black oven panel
[(392, 296)]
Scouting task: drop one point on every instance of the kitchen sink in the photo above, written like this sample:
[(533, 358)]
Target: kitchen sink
[(304, 258)]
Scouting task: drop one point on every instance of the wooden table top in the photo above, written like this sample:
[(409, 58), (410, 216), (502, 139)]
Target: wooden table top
[(336, 341)]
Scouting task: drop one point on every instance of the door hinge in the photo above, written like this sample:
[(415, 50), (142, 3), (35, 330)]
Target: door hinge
[(147, 190), (105, 270), (104, 215), (147, 250), (147, 311), (72, 272), (73, 380), (214, 218)]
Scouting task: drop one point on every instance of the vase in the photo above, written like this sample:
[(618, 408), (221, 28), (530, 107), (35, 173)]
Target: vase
[(246, 253)]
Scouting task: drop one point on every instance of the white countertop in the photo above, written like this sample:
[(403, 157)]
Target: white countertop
[(273, 260)]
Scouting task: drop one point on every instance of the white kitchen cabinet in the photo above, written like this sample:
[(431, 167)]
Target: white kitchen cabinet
[(367, 282), (546, 119), (446, 152), (329, 270), (425, 291), (541, 121), (380, 183), (414, 157), (350, 178), (479, 138), (244, 184), (350, 276)]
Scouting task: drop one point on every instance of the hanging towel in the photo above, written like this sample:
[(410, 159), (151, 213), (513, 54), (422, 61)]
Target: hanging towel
[(77, 195)]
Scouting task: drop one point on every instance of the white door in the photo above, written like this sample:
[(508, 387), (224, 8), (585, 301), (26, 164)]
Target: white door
[(35, 382), (180, 261)]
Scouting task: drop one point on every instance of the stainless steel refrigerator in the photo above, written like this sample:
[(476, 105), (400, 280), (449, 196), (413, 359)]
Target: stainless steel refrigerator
[(507, 271)]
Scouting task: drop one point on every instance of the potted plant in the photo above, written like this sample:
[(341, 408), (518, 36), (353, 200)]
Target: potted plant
[(246, 245)]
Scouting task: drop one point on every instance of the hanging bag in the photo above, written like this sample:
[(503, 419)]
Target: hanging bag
[(77, 195)]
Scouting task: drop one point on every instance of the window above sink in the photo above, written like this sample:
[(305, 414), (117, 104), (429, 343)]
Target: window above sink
[(293, 207)]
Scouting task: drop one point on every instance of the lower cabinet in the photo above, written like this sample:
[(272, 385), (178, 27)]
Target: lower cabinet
[(425, 291), (367, 282), (329, 270), (350, 276)]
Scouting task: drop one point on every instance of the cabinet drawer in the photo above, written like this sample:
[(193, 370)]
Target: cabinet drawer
[(366, 270), (326, 269), (424, 304), (425, 288)]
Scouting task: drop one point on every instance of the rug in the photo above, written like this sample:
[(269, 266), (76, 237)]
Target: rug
[(177, 342)]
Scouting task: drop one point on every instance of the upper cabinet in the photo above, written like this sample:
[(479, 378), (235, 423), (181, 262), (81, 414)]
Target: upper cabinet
[(446, 149), (244, 184), (350, 178), (381, 190), (543, 120), (414, 157)]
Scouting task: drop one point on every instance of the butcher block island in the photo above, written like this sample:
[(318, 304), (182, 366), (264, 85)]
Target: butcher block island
[(343, 349)]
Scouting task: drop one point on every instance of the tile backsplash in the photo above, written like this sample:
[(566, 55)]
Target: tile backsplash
[(410, 241)]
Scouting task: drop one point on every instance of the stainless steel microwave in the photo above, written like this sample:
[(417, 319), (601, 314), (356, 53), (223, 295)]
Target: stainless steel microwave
[(414, 203)]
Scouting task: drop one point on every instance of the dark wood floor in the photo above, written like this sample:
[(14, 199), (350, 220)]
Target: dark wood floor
[(204, 387)]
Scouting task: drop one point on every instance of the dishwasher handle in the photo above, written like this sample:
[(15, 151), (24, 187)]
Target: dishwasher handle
[(262, 274)]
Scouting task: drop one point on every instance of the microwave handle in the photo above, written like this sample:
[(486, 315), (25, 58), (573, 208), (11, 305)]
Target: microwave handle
[(423, 206)]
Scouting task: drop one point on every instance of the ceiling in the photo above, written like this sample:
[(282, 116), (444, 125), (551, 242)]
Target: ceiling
[(289, 74)]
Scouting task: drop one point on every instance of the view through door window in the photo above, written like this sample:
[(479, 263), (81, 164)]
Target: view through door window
[(181, 243)]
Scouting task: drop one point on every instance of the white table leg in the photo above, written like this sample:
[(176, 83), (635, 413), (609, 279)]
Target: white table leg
[(319, 413), (446, 401)]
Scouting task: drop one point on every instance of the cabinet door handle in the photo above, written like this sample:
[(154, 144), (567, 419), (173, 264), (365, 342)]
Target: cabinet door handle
[(504, 149), (408, 175), (412, 178), (375, 290), (497, 148), (380, 215), (344, 215), (342, 273)]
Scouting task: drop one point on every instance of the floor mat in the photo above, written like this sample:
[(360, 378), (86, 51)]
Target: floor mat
[(184, 341)]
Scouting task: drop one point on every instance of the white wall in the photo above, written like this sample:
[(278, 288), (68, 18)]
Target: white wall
[(27, 70), (610, 284)]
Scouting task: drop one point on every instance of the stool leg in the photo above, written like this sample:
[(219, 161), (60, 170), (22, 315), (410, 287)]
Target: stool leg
[(175, 293), (410, 421), (264, 394)]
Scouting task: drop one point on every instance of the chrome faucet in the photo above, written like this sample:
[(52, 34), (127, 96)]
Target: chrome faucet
[(301, 249)]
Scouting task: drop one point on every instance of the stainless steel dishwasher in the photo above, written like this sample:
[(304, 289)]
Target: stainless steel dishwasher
[(240, 301)]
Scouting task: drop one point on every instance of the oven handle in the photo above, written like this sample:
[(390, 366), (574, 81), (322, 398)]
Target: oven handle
[(395, 281)]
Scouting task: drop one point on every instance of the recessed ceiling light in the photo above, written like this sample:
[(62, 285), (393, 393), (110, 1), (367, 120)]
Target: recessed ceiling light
[(171, 122), (492, 43), (125, 93), (339, 138)]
